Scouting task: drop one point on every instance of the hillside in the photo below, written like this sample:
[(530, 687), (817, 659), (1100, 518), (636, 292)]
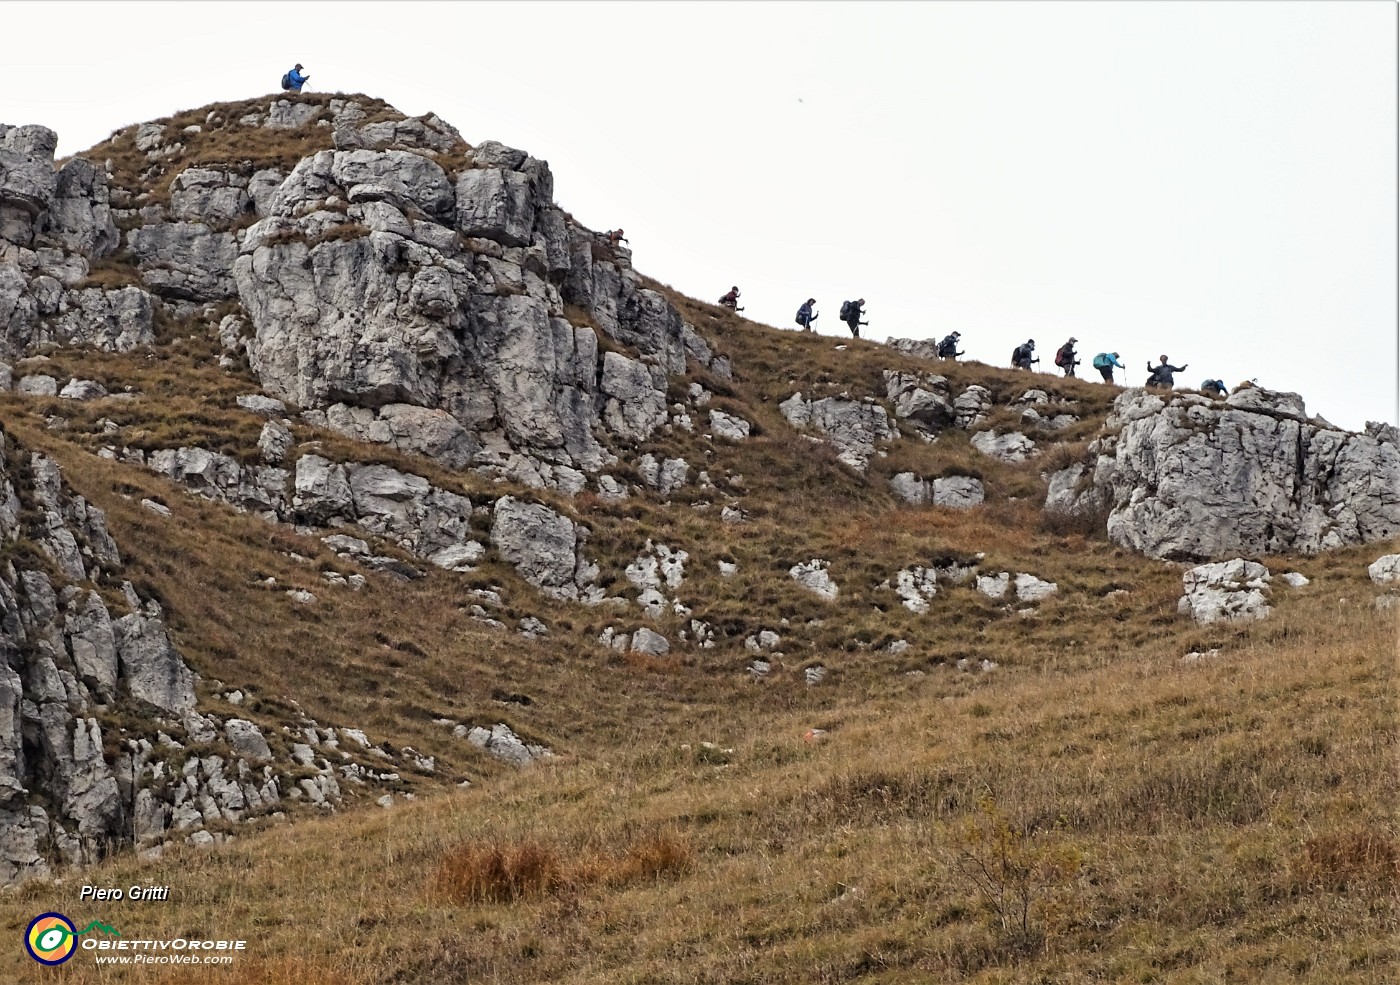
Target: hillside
[(426, 595)]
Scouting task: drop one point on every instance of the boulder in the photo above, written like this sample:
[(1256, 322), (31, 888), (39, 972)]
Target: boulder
[(1226, 591), (728, 426), (1009, 447), (812, 575), (1385, 570)]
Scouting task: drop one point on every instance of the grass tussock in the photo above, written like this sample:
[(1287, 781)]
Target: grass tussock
[(529, 869)]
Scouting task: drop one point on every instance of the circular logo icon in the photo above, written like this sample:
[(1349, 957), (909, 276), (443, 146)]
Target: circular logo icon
[(51, 938)]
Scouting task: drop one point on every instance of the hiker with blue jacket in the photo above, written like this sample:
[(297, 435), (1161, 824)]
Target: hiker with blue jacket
[(1104, 363), (294, 80), (1162, 374), (805, 314), (1214, 388)]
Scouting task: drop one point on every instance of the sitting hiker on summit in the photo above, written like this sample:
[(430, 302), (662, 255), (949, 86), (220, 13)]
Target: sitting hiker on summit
[(1162, 374), (1021, 355), (731, 300), (805, 314), (1214, 388), (850, 314), (1065, 357), (948, 348), (1104, 363), (294, 80)]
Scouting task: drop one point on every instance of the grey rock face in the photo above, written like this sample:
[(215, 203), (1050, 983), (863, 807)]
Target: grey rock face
[(152, 668), (922, 348), (496, 204), (114, 321), (79, 218), (208, 195), (915, 586), (920, 399), (246, 740), (971, 406), (185, 260), (852, 426), (1029, 588), (1190, 479), (636, 405), (220, 477), (1230, 591), (957, 492), (994, 586), (545, 548), (500, 741)]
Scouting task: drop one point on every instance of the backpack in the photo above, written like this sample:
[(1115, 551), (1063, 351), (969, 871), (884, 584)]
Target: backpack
[(1018, 353), (845, 310), (1062, 355), (1101, 361), (799, 317), (946, 348), (287, 81)]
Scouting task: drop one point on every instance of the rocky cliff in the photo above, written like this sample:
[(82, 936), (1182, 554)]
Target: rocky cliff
[(1186, 477), (400, 351)]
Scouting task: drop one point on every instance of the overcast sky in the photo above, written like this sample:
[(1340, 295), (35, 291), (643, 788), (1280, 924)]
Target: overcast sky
[(1214, 181)]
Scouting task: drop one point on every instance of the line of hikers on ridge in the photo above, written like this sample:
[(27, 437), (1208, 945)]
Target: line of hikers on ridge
[(1161, 375)]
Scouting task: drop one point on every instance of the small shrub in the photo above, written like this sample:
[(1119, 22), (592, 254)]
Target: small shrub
[(651, 858), (1023, 880)]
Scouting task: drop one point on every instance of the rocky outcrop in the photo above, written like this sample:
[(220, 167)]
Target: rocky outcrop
[(812, 575), (1186, 478), (955, 492), (546, 549), (1012, 446), (851, 426), (920, 399), (1227, 591)]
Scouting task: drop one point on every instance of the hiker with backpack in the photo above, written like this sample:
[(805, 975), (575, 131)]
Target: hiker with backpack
[(1104, 363), (948, 348), (1065, 357), (1162, 374), (805, 314), (731, 300), (1214, 388), (850, 314), (1021, 355), (294, 80)]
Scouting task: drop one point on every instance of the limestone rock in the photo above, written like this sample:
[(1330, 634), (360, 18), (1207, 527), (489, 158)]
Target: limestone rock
[(274, 442), (812, 575), (1029, 588), (246, 740), (152, 668), (1228, 590), (728, 426), (915, 586), (994, 586), (1385, 570), (545, 549), (1192, 479), (852, 426), (646, 641), (1009, 447)]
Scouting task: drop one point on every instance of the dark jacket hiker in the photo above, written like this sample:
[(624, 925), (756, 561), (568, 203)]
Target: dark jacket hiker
[(1162, 373), (805, 314), (850, 314), (948, 348)]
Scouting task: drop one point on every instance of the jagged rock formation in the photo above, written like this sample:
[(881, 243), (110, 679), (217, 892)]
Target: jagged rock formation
[(1189, 479), (852, 426), (1228, 590)]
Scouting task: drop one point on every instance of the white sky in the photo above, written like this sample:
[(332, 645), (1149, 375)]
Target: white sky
[(1214, 181)]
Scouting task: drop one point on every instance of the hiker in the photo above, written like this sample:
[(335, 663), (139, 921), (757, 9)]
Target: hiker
[(614, 237), (1214, 388), (1104, 363), (850, 314), (805, 314), (948, 348), (294, 80), (1021, 355), (1064, 356), (731, 300), (1162, 374)]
